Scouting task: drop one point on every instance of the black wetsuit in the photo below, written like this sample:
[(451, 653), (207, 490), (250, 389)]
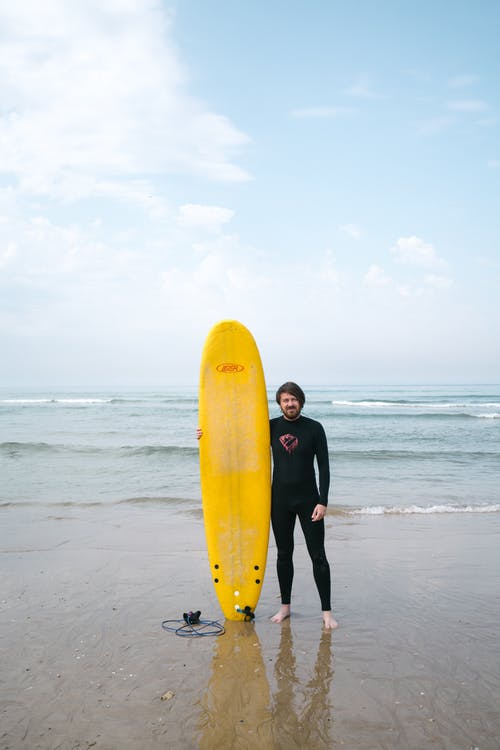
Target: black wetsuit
[(295, 444)]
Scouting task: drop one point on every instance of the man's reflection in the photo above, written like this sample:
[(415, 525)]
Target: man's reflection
[(302, 710)]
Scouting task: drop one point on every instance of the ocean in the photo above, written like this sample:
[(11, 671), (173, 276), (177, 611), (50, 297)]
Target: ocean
[(393, 449)]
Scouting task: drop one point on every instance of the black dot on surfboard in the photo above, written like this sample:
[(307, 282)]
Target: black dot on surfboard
[(257, 580), (255, 567), (216, 580), (216, 567)]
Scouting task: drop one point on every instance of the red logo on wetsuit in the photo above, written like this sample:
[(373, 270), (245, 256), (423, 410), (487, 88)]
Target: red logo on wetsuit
[(289, 442)]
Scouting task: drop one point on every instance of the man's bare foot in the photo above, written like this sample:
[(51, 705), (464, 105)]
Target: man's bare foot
[(282, 614), (328, 620)]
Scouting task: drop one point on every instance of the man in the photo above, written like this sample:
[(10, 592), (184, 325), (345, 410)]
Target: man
[(295, 442)]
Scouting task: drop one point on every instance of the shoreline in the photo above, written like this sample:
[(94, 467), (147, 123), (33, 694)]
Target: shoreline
[(85, 660)]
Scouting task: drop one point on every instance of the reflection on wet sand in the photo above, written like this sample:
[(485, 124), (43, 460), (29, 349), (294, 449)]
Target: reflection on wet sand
[(302, 712), (236, 706), (241, 710)]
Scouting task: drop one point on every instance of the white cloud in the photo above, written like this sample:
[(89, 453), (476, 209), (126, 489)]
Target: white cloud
[(455, 109), (414, 251), (406, 290), (230, 279), (463, 81), (436, 125), (222, 280), (321, 112), (351, 230), (211, 218), (376, 277), (48, 256), (362, 88), (427, 287), (96, 112), (438, 282), (486, 122), (94, 92), (7, 254), (418, 256), (467, 105)]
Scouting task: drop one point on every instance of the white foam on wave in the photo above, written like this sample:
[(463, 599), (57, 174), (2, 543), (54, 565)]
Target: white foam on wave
[(367, 403), (82, 400), (25, 400), (417, 404), (66, 401), (381, 510)]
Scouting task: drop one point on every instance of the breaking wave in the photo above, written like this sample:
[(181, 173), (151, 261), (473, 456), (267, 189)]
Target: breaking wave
[(396, 510)]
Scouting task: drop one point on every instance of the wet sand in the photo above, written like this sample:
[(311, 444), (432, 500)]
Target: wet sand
[(415, 663)]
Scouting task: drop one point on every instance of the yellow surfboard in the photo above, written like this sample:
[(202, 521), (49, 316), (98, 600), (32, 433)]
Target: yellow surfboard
[(235, 466)]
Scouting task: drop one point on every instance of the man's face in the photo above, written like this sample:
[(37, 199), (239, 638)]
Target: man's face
[(290, 406)]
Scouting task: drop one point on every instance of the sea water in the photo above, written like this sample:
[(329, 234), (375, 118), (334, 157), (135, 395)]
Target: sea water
[(393, 449)]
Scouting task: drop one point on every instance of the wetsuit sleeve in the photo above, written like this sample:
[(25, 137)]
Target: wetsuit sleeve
[(323, 466)]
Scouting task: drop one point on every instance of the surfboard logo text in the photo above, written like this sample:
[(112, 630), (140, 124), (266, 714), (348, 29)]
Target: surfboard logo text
[(230, 367)]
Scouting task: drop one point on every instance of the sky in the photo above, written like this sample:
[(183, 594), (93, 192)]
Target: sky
[(327, 173)]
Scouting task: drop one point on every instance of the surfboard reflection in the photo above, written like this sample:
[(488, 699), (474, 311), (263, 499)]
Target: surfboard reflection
[(236, 706), (240, 709)]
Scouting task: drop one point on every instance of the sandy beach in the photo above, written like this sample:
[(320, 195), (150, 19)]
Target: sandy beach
[(85, 662)]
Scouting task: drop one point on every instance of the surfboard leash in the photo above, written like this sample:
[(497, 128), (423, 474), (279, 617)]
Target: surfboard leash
[(191, 626), (249, 615)]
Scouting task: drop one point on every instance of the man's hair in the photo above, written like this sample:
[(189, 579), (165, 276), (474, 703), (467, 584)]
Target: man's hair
[(294, 390)]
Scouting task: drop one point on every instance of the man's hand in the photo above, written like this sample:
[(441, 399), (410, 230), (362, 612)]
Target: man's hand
[(319, 512)]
